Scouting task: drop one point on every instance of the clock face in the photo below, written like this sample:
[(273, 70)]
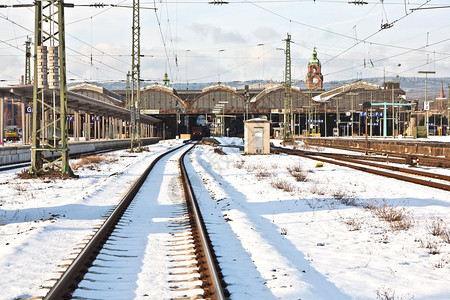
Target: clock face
[(315, 80)]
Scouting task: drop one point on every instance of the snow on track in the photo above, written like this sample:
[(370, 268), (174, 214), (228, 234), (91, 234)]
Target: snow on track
[(138, 261)]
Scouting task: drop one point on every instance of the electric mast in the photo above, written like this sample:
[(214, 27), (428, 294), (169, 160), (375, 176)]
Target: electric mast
[(27, 79), (49, 124), (135, 81), (288, 126)]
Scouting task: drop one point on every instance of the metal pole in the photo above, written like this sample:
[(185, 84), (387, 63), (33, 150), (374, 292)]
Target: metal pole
[(135, 80), (448, 109), (1, 120), (338, 121), (367, 143), (287, 132), (393, 113), (384, 120), (27, 62), (426, 104)]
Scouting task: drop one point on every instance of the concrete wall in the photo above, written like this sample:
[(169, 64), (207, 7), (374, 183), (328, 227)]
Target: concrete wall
[(20, 154), (405, 146)]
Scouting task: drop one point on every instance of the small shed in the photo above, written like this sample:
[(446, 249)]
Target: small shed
[(257, 136)]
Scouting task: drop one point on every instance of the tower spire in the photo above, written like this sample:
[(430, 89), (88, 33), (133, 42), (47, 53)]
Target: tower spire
[(314, 78), (441, 93)]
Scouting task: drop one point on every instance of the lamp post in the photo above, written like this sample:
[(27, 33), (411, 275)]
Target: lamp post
[(215, 111), (223, 116), (352, 110), (187, 81), (262, 57), (426, 105), (218, 61)]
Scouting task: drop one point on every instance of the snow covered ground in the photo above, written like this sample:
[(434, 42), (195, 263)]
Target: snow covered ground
[(276, 238), (43, 221), (322, 238)]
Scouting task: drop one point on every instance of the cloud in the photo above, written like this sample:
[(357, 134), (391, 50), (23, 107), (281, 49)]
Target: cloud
[(266, 34), (217, 34), (222, 36)]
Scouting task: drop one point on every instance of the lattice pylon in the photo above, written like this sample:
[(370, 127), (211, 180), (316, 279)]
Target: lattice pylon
[(288, 119), (49, 124), (135, 80)]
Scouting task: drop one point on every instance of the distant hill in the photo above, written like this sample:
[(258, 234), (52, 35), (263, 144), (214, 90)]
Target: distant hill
[(413, 86)]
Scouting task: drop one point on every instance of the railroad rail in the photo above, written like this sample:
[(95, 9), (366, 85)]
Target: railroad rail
[(425, 160), (210, 275), (358, 164)]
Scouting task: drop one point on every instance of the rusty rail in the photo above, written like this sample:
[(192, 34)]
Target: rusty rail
[(212, 278), (337, 160), (425, 160)]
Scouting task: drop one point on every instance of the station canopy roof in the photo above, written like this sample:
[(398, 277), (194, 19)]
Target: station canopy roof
[(353, 86), (75, 101)]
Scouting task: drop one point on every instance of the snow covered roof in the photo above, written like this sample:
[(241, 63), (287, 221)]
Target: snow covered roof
[(255, 120), (325, 96), (158, 87), (113, 96), (218, 86), (271, 89)]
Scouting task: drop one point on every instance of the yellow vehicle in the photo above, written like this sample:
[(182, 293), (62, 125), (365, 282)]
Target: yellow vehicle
[(12, 134)]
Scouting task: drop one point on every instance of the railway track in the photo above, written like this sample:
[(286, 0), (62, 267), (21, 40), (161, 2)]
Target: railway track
[(355, 162), (153, 244), (425, 160)]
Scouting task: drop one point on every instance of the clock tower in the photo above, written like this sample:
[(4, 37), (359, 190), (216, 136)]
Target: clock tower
[(314, 78)]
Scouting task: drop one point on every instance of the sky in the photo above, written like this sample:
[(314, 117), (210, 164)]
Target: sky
[(194, 41)]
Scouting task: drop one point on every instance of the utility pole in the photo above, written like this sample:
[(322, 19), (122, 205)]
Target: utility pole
[(49, 125), (135, 80), (27, 79), (247, 101), (448, 109), (287, 130), (127, 91), (426, 103)]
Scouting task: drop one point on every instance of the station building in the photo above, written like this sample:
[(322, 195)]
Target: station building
[(222, 109)]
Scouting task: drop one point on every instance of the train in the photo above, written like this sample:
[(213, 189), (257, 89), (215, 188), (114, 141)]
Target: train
[(199, 132), (12, 134)]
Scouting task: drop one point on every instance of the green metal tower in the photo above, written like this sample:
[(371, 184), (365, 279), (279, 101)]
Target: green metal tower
[(27, 79), (166, 80), (135, 80), (127, 91), (49, 124), (288, 120)]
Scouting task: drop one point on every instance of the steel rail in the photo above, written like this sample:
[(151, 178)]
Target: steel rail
[(392, 168), (214, 288), (66, 284), (316, 156)]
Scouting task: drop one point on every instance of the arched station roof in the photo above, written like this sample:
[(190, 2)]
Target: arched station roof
[(157, 99), (273, 97), (98, 92), (212, 95), (354, 86)]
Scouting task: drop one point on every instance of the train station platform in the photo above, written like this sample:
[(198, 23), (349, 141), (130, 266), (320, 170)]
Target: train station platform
[(12, 153), (419, 147)]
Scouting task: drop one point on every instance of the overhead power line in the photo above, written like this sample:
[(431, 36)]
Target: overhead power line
[(76, 51), (432, 7), (103, 5)]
